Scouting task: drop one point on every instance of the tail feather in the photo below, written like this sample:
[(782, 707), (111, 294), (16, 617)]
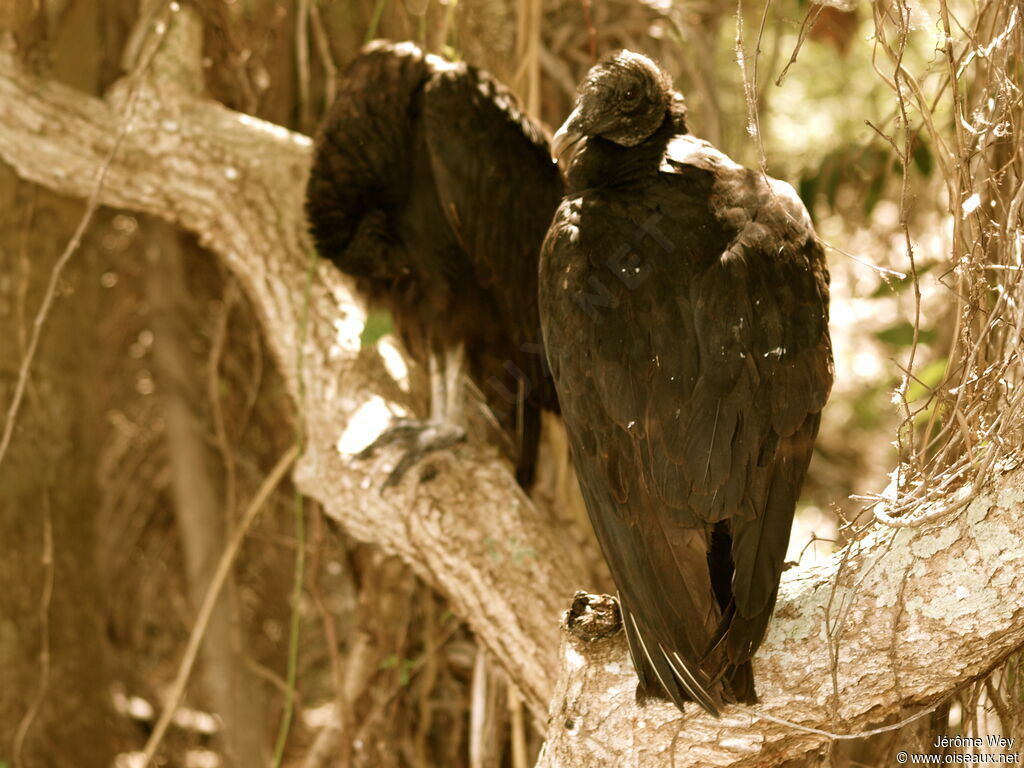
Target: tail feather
[(664, 673), (740, 679)]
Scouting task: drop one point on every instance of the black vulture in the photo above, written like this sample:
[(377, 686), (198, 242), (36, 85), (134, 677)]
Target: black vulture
[(684, 303), (434, 190)]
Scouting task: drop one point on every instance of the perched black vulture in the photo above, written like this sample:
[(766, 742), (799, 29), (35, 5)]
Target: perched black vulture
[(432, 188), (684, 302)]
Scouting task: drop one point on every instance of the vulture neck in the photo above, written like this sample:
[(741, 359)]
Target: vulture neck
[(601, 163)]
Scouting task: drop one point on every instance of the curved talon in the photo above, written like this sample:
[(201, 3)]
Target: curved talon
[(419, 438), (401, 431)]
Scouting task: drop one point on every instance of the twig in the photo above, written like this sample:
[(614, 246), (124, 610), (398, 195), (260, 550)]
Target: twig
[(302, 20), (90, 210), (750, 86), (44, 637), (299, 519), (340, 723), (905, 157), (195, 639), (326, 740), (517, 726), (840, 736), (323, 45), (378, 11), (213, 392), (478, 709), (431, 648), (810, 19), (254, 379)]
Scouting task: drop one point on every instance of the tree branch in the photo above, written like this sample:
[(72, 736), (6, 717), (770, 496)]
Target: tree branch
[(237, 182), (907, 614), (898, 619)]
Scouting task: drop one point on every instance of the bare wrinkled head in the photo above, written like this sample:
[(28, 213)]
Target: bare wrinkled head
[(623, 99)]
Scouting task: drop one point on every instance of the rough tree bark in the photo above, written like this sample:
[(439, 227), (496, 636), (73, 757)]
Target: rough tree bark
[(911, 614), (898, 619)]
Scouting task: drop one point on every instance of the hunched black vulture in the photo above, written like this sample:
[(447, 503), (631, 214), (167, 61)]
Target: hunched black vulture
[(433, 189), (684, 303)]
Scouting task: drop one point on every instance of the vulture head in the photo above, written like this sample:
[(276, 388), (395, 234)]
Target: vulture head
[(623, 99)]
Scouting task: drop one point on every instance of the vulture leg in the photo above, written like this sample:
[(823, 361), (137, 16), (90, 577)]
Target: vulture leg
[(443, 429), (454, 372)]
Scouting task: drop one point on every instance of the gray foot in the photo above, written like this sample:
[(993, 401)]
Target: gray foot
[(418, 438)]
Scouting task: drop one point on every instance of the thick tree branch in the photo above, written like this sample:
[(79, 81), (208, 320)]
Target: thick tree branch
[(908, 615), (913, 613), (237, 182)]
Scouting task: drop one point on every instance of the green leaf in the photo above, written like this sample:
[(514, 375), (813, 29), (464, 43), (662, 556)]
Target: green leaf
[(926, 380), (902, 335), (874, 192), (868, 407), (378, 11), (922, 158), (808, 190), (378, 324), (831, 177)]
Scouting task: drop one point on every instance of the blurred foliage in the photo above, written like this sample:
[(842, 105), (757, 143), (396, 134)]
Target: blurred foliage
[(378, 324), (902, 334)]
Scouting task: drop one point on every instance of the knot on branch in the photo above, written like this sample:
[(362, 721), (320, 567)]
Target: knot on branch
[(593, 617)]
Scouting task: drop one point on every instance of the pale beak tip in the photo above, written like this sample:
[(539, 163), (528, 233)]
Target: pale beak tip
[(566, 136), (561, 142)]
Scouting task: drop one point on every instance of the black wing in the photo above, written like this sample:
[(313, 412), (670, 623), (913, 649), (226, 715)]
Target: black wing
[(686, 321), (499, 189), (432, 187), (359, 179)]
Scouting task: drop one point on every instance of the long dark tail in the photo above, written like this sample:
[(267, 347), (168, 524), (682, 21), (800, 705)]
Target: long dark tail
[(529, 443)]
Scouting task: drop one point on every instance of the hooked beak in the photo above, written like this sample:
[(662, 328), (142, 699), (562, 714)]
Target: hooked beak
[(566, 136)]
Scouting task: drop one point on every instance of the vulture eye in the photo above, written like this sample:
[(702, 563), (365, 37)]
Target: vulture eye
[(630, 94)]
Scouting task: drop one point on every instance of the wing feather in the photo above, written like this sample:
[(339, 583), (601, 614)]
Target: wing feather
[(495, 180)]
